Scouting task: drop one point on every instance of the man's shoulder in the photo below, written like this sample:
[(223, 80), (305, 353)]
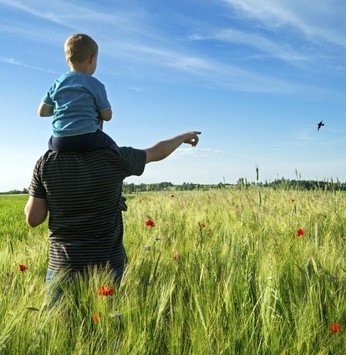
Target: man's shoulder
[(46, 155), (112, 152), (125, 151), (126, 161)]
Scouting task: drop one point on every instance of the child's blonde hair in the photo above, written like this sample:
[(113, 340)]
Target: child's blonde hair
[(79, 47)]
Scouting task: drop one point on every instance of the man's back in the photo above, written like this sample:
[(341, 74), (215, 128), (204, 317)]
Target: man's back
[(83, 193)]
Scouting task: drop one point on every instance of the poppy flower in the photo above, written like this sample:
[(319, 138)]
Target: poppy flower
[(202, 225), (96, 317), (150, 223), (335, 328), (300, 232), (293, 200), (172, 195), (175, 256), (106, 291), (209, 230), (22, 267)]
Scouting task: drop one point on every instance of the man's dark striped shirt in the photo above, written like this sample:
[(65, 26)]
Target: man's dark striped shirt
[(83, 193)]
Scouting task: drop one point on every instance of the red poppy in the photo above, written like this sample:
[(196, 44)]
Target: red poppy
[(202, 225), (175, 256), (96, 317), (209, 230), (335, 328), (22, 267), (172, 195), (293, 200), (150, 223), (300, 232), (106, 291)]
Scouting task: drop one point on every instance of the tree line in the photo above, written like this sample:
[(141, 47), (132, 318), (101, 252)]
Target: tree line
[(242, 183)]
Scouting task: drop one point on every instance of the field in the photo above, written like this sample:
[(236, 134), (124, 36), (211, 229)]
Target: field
[(252, 271)]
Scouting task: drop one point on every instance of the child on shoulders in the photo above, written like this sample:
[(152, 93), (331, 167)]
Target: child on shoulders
[(78, 101)]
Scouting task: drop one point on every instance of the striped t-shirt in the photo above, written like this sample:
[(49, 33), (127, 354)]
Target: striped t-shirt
[(83, 193)]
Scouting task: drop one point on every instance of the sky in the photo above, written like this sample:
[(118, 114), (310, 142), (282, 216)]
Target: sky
[(254, 76)]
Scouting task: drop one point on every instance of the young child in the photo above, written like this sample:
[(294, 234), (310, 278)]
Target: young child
[(78, 101)]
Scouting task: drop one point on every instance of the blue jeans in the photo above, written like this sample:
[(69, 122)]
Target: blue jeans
[(87, 142), (55, 291)]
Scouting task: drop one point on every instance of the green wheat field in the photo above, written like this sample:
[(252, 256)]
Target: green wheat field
[(228, 271)]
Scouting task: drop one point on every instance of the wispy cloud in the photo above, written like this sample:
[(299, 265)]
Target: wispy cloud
[(190, 63), (76, 16), (264, 45), (133, 39), (12, 61), (30, 9), (194, 153), (321, 21), (134, 88)]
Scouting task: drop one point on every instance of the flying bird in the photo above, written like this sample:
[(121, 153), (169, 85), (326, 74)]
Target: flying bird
[(319, 125)]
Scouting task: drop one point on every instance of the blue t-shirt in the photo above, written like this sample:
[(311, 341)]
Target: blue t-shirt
[(77, 99)]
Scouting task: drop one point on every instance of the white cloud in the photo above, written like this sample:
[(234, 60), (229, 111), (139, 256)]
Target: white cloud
[(134, 88), (137, 42), (194, 152), (74, 16), (284, 52), (191, 63), (320, 21), (12, 61)]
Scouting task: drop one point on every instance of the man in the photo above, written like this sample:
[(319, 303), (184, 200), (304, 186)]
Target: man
[(81, 191)]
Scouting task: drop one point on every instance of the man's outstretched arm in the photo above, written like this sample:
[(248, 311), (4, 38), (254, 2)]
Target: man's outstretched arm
[(163, 149)]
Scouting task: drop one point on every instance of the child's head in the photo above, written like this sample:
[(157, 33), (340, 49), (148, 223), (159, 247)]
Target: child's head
[(79, 48)]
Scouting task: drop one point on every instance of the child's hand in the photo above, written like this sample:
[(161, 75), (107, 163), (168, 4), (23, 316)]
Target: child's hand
[(100, 123)]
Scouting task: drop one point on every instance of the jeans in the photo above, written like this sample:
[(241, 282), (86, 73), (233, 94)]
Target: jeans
[(54, 280), (81, 143)]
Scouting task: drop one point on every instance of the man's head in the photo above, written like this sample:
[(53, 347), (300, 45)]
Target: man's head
[(80, 48)]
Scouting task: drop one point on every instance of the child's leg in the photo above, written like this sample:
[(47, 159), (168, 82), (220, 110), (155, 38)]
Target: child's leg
[(103, 139), (82, 143)]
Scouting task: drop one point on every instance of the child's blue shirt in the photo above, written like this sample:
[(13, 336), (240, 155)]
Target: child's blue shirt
[(77, 99)]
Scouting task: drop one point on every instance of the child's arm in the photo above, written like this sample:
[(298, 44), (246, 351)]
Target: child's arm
[(45, 110), (106, 115)]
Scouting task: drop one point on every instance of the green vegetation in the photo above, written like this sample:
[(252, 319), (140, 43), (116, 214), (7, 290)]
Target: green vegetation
[(129, 188), (221, 272)]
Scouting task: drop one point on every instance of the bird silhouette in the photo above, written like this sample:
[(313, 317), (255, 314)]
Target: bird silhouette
[(319, 125)]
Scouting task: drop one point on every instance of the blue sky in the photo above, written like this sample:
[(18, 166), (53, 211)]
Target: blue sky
[(255, 76)]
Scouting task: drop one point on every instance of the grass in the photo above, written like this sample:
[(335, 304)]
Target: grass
[(221, 272)]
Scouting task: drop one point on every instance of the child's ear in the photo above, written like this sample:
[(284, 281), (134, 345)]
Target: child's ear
[(92, 58)]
